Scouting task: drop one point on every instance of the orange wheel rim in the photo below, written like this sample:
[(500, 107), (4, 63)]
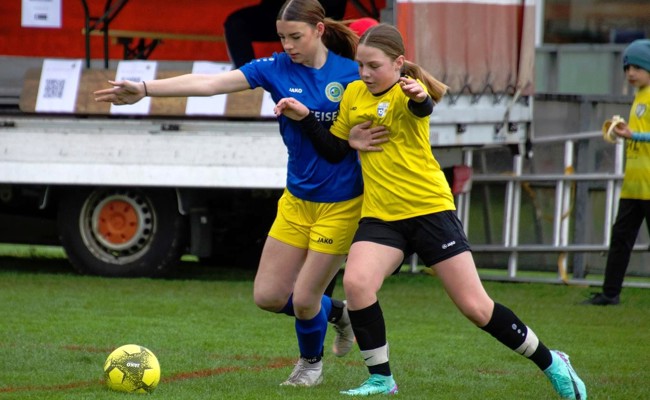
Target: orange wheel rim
[(118, 222)]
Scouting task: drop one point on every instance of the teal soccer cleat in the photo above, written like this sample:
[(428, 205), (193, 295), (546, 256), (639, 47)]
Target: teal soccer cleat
[(564, 379), (376, 384)]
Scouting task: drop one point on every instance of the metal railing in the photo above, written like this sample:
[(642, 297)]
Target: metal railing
[(564, 198)]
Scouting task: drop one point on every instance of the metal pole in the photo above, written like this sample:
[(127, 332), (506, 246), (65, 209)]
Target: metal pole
[(615, 194), (464, 198), (512, 224), (565, 206)]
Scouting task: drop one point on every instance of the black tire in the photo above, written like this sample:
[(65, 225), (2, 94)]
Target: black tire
[(121, 232)]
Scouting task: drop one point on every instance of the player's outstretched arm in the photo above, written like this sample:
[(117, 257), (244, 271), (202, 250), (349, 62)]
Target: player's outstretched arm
[(129, 92), (122, 92)]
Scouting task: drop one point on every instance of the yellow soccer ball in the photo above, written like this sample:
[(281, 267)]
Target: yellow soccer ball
[(133, 369)]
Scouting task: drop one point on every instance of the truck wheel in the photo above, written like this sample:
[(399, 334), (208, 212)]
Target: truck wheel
[(121, 231)]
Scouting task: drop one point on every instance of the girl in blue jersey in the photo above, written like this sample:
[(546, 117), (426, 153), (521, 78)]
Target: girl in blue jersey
[(408, 208), (319, 210)]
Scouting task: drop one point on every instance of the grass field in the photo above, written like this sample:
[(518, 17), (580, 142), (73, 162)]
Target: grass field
[(57, 328)]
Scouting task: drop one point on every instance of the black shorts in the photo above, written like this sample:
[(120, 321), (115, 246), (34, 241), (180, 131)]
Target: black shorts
[(433, 237)]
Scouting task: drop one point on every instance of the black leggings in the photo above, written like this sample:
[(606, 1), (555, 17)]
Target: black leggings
[(631, 214)]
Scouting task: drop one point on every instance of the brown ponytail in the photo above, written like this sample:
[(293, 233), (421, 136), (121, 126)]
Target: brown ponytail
[(340, 39), (337, 36), (388, 39), (435, 88)]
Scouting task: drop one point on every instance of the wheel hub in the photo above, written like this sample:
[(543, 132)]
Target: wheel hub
[(117, 222), (120, 224)]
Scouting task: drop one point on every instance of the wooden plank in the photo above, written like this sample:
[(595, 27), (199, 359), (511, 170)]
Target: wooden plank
[(28, 95), (119, 33), (245, 104), (90, 82)]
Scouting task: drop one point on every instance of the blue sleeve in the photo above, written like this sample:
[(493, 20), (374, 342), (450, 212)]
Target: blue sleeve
[(262, 72), (641, 136)]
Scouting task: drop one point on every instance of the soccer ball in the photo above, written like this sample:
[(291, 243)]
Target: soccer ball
[(132, 369)]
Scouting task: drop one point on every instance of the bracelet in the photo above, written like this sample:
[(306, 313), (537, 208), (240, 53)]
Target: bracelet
[(145, 89)]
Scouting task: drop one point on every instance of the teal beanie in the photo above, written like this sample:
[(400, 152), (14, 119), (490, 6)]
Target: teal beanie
[(638, 53)]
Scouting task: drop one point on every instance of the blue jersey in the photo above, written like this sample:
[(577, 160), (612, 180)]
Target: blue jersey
[(310, 177)]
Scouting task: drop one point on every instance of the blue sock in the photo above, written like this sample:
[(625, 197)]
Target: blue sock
[(311, 333), (288, 308)]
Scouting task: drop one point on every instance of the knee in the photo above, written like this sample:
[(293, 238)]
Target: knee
[(305, 307), (478, 312), (303, 312), (354, 285), (270, 301)]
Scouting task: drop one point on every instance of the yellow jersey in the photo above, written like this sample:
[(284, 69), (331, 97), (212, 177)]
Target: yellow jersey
[(404, 180), (636, 183)]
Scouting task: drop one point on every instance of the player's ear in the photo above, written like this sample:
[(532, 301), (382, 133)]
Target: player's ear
[(320, 28), (399, 63)]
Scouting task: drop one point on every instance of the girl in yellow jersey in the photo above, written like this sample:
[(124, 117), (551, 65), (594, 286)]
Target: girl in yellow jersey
[(408, 207), (634, 204)]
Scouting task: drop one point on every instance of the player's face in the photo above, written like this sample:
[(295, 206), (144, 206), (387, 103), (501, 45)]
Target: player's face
[(300, 40), (376, 69), (637, 76)]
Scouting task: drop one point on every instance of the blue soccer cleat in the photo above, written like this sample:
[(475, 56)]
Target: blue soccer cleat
[(564, 379)]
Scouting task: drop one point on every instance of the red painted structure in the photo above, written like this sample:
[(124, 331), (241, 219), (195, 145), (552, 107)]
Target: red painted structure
[(200, 17)]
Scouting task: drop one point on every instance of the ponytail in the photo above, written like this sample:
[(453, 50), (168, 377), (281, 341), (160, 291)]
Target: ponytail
[(340, 39), (435, 88), (389, 40), (337, 37)]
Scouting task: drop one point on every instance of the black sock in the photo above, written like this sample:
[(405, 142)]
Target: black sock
[(512, 332), (336, 312), (370, 331), (329, 290)]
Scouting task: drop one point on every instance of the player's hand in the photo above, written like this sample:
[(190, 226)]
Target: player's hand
[(621, 129), (412, 89), (363, 137), (291, 108), (122, 92)]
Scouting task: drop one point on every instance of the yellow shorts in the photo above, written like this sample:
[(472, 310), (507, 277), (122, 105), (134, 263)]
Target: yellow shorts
[(324, 227)]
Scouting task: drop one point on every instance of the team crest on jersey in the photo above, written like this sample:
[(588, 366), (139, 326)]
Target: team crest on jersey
[(382, 108), (334, 91), (640, 110)]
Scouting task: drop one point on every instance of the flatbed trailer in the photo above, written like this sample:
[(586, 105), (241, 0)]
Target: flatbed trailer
[(130, 196)]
